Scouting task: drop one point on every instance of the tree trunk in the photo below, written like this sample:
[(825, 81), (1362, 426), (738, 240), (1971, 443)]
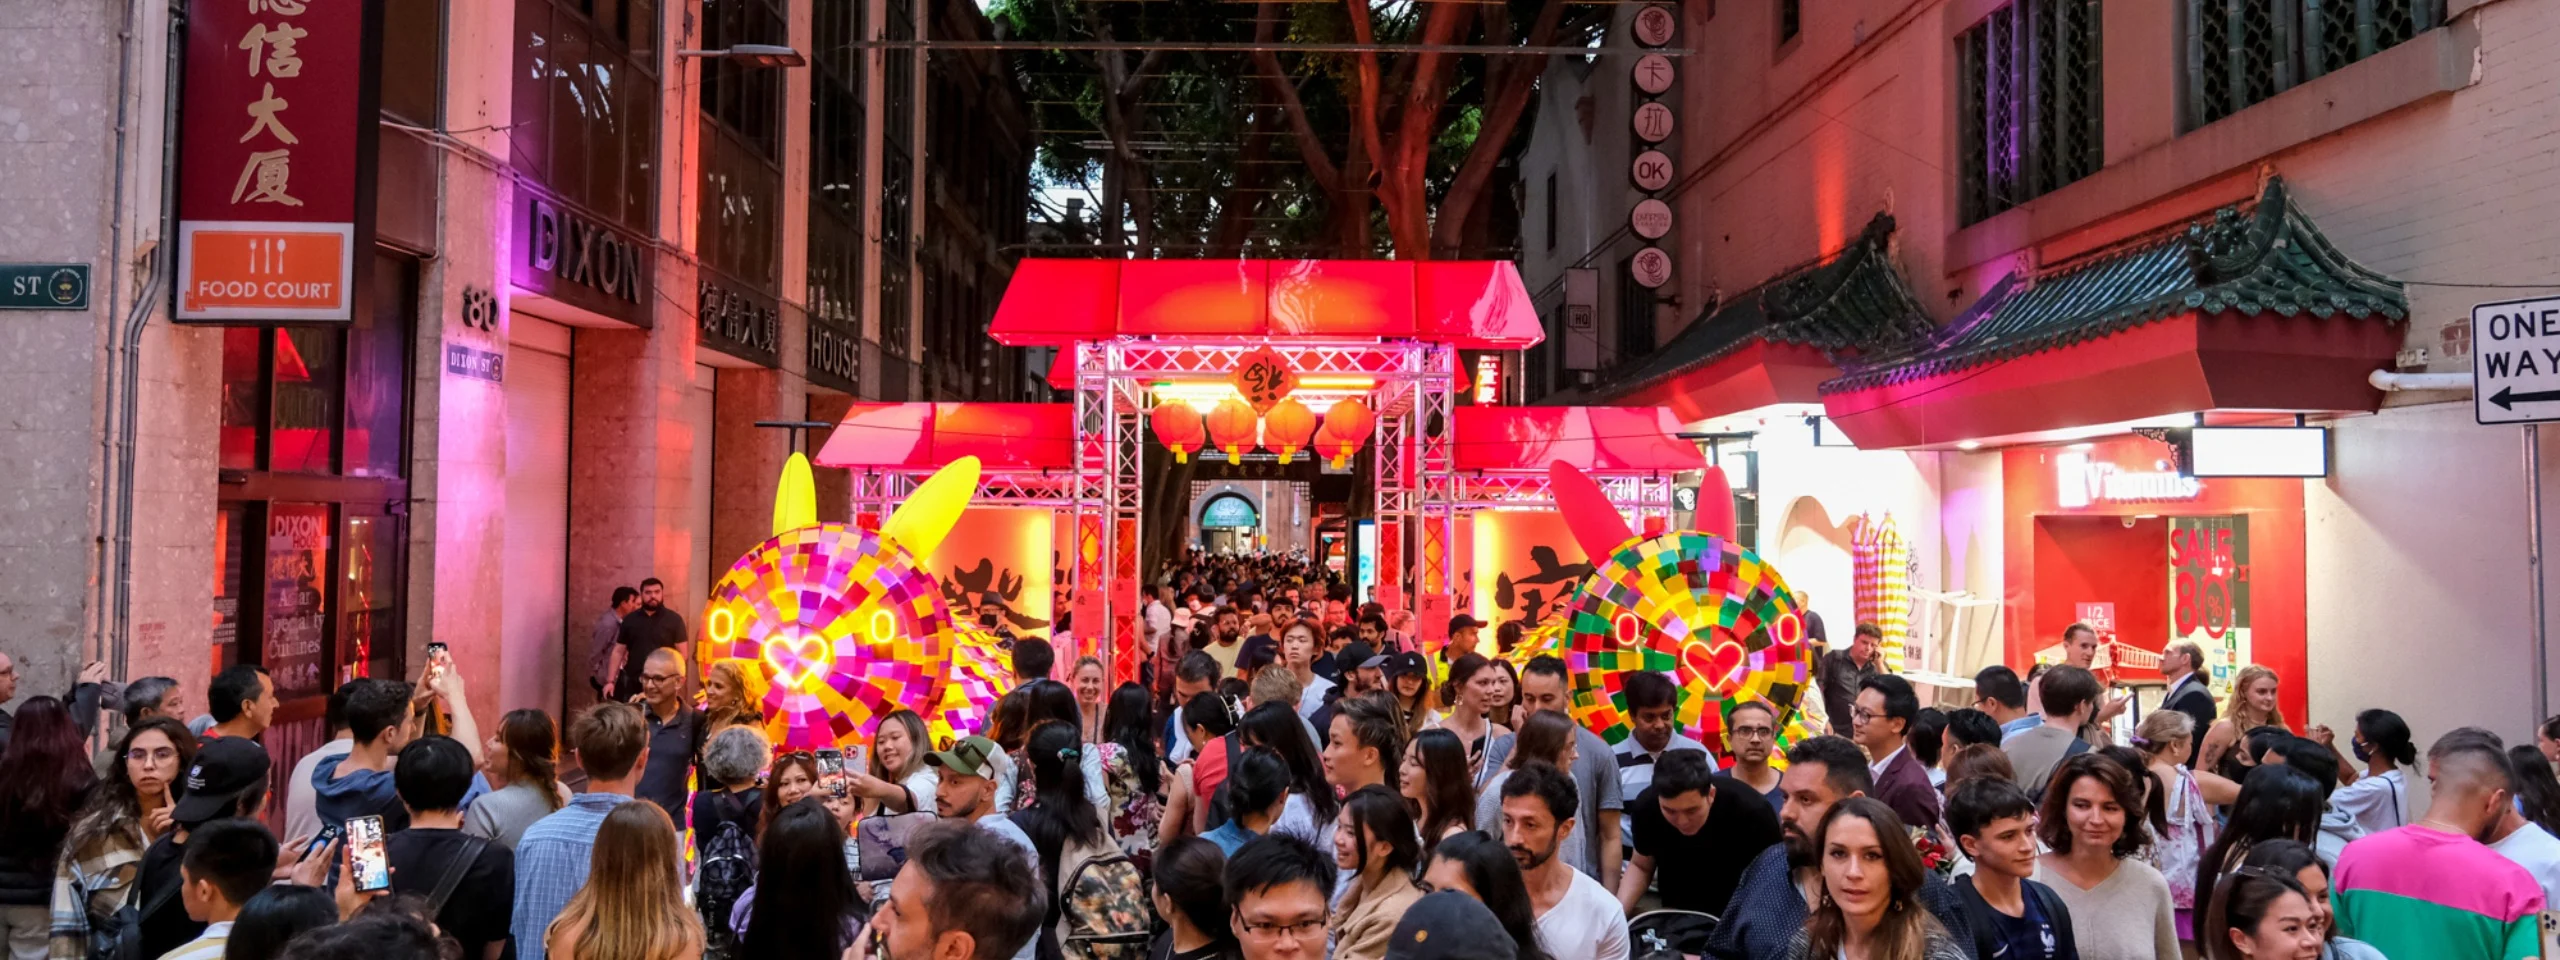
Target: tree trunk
[(1507, 90)]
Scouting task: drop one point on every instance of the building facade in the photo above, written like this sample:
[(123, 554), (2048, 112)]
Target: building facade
[(1894, 214), (602, 252)]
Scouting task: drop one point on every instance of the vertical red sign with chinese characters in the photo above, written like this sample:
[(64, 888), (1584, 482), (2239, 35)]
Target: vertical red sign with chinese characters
[(276, 150)]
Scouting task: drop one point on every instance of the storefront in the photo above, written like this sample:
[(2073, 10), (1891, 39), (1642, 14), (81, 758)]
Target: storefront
[(2111, 534)]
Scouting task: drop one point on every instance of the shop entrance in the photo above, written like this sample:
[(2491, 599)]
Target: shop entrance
[(2145, 581)]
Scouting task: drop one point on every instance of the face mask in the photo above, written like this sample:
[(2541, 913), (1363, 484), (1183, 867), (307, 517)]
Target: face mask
[(2363, 753)]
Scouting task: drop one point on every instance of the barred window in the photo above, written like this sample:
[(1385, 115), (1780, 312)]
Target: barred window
[(2031, 111), (2240, 52)]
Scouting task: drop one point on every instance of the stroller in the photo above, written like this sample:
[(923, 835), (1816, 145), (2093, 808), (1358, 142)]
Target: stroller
[(1669, 934)]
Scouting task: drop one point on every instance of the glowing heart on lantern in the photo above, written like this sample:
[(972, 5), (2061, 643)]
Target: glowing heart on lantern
[(795, 660), (1715, 663)]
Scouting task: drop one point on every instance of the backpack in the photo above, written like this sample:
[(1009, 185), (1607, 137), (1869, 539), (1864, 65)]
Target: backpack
[(1105, 911), (117, 936), (728, 869)]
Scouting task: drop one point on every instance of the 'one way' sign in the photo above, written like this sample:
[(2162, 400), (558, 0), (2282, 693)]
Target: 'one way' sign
[(2515, 361)]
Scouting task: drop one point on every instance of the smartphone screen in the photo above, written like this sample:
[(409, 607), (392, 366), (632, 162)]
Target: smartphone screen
[(831, 776), (436, 652), (365, 853), (319, 842)]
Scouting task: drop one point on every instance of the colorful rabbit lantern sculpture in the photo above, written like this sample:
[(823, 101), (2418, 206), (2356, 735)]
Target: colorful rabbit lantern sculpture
[(1701, 609), (834, 625)]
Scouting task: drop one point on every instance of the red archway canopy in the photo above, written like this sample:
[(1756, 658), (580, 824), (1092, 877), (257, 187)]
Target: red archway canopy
[(1005, 437), (1469, 304)]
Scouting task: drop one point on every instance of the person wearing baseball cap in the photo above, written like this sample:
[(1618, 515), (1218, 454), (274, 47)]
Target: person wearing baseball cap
[(967, 792), (1407, 677), (228, 779), (1462, 636), (1450, 925)]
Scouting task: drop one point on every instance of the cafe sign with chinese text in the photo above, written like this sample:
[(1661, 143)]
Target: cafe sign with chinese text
[(276, 149)]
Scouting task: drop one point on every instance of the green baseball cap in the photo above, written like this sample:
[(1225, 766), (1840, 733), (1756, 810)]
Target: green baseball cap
[(973, 756)]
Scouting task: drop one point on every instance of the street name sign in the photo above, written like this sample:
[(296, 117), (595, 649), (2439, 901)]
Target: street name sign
[(44, 286), (2515, 361)]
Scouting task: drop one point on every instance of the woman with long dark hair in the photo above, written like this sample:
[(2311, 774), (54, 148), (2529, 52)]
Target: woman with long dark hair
[(1927, 741), (810, 911), (1257, 795), (102, 853), (2378, 798), (2259, 914), (2304, 865), (1063, 823), (1133, 774), (1045, 702), (1470, 691), (1190, 898), (794, 775), (897, 779), (2092, 822), (2537, 792), (274, 917), (47, 770), (1312, 806), (1206, 721), (1479, 866), (1433, 779), (2276, 802), (632, 907), (1546, 737), (1374, 840), (520, 764), (1506, 697), (1871, 879)]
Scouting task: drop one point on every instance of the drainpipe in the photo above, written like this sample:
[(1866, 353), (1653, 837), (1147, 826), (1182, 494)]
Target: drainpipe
[(2391, 382)]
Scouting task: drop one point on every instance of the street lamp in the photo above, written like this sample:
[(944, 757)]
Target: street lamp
[(759, 55)]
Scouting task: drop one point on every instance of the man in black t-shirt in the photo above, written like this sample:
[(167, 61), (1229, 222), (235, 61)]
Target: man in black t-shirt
[(652, 627), (468, 881), (1695, 833), (228, 779)]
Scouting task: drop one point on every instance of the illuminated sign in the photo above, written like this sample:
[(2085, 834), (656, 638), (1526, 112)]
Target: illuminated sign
[(1488, 389), (2258, 452), (2080, 481)]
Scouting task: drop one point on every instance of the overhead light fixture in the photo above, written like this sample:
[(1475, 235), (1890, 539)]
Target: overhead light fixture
[(1968, 444), (758, 55)]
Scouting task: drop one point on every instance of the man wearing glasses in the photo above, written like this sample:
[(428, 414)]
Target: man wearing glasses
[(1751, 731), (1278, 887), (675, 732)]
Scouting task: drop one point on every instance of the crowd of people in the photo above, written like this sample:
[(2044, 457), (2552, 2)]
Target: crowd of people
[(1292, 777)]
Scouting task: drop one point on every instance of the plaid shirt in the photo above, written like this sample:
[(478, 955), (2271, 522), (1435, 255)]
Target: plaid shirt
[(1768, 912), (551, 865), (101, 883)]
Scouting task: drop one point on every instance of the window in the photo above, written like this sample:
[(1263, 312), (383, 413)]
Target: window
[(1551, 210), (740, 216), (412, 67), (586, 104), (897, 177), (1790, 20), (2240, 52), (1635, 315), (2030, 111)]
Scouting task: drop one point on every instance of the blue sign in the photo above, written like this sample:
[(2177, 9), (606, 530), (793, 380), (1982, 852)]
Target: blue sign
[(1228, 511), (475, 363)]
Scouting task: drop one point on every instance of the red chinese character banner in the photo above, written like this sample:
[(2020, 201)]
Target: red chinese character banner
[(275, 198)]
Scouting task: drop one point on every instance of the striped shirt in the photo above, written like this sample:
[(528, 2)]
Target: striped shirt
[(2421, 894), (217, 937), (551, 864)]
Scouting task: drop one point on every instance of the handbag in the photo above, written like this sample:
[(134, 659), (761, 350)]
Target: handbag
[(881, 841)]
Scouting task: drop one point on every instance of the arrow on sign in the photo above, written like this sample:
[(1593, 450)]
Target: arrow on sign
[(2507, 397)]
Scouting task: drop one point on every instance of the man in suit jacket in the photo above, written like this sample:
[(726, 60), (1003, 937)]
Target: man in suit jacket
[(1882, 716), (2183, 666)]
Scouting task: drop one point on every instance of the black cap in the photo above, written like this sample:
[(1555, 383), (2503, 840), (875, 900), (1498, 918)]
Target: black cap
[(1408, 662), (225, 767), (1453, 925), (1463, 621), (1354, 655)]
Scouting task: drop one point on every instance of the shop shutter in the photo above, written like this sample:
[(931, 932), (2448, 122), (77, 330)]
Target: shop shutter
[(697, 504), (540, 656)]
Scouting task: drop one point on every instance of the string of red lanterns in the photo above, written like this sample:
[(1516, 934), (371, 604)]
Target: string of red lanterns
[(1232, 428)]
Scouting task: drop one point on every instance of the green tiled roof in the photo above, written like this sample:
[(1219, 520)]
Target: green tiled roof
[(2265, 258), (1852, 301)]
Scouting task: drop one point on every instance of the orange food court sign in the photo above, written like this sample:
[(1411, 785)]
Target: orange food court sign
[(275, 189)]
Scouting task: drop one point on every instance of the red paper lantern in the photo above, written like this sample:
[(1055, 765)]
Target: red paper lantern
[(1179, 427), (1333, 448), (1350, 420), (1231, 428), (1286, 428)]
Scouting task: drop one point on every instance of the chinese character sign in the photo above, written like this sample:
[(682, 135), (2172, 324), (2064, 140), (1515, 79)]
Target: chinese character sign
[(276, 128), (1264, 377)]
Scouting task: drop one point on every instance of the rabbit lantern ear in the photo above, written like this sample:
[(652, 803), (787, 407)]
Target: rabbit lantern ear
[(930, 512), (1715, 505), (795, 502), (1595, 522)]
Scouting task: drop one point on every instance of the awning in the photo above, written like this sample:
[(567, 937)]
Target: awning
[(1004, 437), (1596, 439), (1775, 342), (1470, 304), (2248, 309)]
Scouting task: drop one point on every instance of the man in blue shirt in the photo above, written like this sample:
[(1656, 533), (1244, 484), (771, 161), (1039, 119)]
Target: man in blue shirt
[(551, 861), (1998, 691)]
